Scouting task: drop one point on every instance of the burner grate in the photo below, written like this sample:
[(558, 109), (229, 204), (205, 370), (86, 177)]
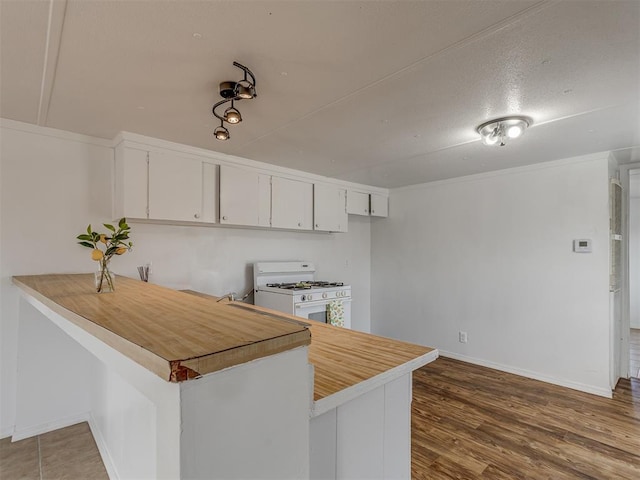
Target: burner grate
[(305, 285)]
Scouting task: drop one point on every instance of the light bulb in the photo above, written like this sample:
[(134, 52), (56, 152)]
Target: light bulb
[(514, 131), (221, 133), (232, 115), (490, 139)]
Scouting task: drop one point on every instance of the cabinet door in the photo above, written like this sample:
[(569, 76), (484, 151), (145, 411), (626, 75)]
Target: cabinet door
[(291, 204), (357, 203), (379, 205), (131, 189), (210, 192), (175, 187), (244, 197), (329, 208)]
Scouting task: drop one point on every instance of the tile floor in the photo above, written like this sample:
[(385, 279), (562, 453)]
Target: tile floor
[(634, 353), (69, 453)]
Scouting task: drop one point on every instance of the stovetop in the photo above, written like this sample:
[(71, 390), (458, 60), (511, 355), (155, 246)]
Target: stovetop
[(306, 285)]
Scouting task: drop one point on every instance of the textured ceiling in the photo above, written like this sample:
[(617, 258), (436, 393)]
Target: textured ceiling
[(386, 93)]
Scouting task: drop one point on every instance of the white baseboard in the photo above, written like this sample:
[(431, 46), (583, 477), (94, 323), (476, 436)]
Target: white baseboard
[(22, 433), (602, 392), (109, 464)]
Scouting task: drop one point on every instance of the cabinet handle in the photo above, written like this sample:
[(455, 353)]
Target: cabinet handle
[(196, 215), (373, 211), (317, 226), (299, 224), (224, 218)]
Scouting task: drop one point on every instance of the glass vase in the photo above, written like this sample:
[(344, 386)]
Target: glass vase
[(104, 279)]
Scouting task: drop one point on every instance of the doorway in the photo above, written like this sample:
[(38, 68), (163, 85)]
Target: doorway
[(634, 272)]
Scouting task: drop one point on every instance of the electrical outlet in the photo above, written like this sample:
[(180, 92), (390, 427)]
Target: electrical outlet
[(462, 337)]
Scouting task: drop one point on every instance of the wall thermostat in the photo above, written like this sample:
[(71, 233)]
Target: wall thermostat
[(582, 245)]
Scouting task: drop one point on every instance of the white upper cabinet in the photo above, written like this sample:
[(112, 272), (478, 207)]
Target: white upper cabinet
[(379, 205), (357, 203), (156, 180), (329, 208), (175, 188), (131, 193), (164, 186), (291, 204), (244, 197)]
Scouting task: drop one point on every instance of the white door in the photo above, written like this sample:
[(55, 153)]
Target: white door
[(291, 204), (379, 205), (175, 187), (131, 177), (357, 203), (244, 197), (329, 208)]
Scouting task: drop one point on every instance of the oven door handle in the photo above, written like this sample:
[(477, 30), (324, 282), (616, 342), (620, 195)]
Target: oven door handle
[(319, 302)]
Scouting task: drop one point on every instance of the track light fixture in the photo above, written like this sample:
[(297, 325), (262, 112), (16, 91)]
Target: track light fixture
[(244, 89), (500, 130)]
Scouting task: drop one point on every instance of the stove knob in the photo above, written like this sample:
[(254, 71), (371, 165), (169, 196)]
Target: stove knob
[(303, 298), (309, 297), (324, 295)]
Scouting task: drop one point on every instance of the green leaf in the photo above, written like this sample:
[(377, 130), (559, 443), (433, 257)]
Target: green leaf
[(110, 227), (95, 236), (84, 236), (89, 229), (122, 223), (86, 244)]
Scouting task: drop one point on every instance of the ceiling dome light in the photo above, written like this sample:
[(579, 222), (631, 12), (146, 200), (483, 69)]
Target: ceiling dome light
[(500, 130), (232, 115)]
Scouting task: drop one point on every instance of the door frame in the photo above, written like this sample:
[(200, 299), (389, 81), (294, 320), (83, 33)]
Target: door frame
[(626, 294)]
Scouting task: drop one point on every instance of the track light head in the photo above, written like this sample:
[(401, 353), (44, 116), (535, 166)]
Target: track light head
[(221, 133), (245, 90), (232, 115)]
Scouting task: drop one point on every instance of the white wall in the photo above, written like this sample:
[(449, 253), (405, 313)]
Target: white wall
[(634, 248), (492, 255), (54, 183)]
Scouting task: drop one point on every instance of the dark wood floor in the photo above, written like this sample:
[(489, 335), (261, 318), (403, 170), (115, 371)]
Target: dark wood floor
[(473, 422)]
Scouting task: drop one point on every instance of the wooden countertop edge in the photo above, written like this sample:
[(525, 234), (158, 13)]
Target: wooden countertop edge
[(246, 353), (345, 395), (172, 370), (150, 361)]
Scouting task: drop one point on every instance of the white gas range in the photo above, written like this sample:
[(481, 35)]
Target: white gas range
[(290, 287)]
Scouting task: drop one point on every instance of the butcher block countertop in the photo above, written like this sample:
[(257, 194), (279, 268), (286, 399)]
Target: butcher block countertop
[(184, 334), (348, 363), (175, 335)]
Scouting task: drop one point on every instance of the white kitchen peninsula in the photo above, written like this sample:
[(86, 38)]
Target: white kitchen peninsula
[(215, 391)]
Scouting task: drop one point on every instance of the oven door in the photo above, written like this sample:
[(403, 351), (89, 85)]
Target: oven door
[(318, 311)]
